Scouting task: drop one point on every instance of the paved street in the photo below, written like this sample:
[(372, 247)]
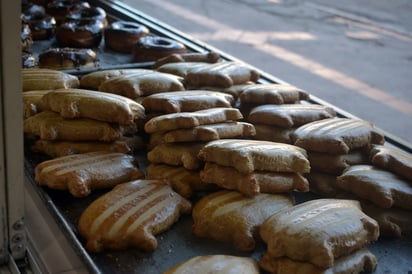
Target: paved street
[(356, 55)]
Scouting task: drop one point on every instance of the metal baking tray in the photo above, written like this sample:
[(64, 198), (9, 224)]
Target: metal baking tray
[(178, 243)]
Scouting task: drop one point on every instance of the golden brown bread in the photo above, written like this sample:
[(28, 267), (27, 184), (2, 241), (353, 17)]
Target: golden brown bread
[(273, 134), (393, 222), (289, 115), (107, 107), (217, 264), (131, 215), (337, 135), (204, 133), (63, 148), (230, 217), (136, 85), (183, 181), (383, 188), (208, 57), (182, 120), (250, 155), (32, 102), (186, 101), (221, 74), (47, 79), (335, 163), (81, 173), (260, 94), (49, 125), (94, 79), (181, 68), (392, 159), (177, 154), (318, 231), (255, 182), (360, 261)]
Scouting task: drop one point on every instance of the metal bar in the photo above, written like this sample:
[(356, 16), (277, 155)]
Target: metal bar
[(12, 124)]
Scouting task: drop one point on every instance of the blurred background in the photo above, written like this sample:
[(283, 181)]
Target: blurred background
[(353, 54)]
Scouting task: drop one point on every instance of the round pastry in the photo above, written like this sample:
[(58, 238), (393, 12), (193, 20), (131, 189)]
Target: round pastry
[(151, 48), (88, 14), (122, 35), (26, 38), (28, 60), (80, 34), (42, 27), (67, 58), (59, 9)]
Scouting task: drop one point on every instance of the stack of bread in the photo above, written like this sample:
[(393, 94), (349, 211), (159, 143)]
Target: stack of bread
[(177, 138), (254, 166), (278, 122), (69, 120), (319, 236), (384, 188), (334, 144)]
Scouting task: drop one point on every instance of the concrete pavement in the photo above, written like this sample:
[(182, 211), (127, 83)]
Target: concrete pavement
[(355, 56)]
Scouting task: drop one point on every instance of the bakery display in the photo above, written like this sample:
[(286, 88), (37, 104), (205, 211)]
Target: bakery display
[(131, 215), (81, 173), (168, 133), (59, 9)]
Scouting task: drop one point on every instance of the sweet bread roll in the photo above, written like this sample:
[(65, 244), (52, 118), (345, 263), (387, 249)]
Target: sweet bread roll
[(337, 135), (182, 120), (318, 231), (360, 261), (184, 181), (218, 264), (335, 164), (230, 217), (260, 94), (177, 154), (49, 125), (81, 173), (47, 79), (32, 102), (250, 155), (131, 215), (221, 74), (136, 85), (93, 80), (383, 188), (273, 134), (392, 159), (207, 57), (393, 222), (181, 68), (186, 101), (76, 103), (204, 133), (289, 115), (255, 182)]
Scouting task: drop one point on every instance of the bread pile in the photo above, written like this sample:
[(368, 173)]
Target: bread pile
[(319, 236), (384, 188), (334, 144), (200, 144), (67, 120)]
